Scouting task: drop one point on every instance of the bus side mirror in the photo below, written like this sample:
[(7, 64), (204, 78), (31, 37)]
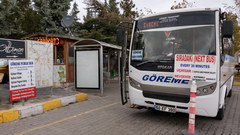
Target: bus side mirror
[(227, 29)]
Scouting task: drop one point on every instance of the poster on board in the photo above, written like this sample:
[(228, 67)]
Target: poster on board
[(87, 69), (59, 74), (195, 67), (22, 79)]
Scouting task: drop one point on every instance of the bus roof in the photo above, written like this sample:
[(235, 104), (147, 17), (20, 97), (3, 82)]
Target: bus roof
[(180, 11)]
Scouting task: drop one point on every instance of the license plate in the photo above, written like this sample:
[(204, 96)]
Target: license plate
[(165, 108)]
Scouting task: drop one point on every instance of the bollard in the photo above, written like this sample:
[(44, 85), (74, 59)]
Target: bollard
[(192, 111)]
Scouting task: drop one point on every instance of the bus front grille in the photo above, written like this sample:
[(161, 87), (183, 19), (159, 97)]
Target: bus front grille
[(166, 96)]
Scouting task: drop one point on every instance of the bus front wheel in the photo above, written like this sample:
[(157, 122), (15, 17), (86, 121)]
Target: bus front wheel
[(221, 111), (220, 114), (230, 93)]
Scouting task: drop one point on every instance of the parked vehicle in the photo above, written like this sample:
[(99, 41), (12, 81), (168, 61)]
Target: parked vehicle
[(155, 41)]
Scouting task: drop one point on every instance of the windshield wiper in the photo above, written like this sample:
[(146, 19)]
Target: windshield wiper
[(144, 62), (148, 61)]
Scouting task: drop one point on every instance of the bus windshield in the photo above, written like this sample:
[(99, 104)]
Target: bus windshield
[(159, 38), (157, 44)]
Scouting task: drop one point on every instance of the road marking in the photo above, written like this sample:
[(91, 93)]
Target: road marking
[(65, 119)]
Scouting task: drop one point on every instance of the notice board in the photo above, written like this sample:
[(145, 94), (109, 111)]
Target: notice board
[(22, 79)]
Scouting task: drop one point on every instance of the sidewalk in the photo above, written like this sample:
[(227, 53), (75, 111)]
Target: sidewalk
[(49, 98), (43, 94)]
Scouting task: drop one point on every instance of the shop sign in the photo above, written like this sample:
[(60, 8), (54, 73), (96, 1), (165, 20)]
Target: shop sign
[(53, 40), (12, 49), (22, 79), (195, 67)]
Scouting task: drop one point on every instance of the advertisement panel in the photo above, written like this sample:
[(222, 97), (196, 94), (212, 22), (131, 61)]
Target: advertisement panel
[(22, 79), (12, 48), (87, 69), (195, 67)]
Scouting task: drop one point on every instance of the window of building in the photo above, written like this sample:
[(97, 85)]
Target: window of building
[(59, 54)]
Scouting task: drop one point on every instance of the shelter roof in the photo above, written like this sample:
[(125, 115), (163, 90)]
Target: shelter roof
[(85, 42)]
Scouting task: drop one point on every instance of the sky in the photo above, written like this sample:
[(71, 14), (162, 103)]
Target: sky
[(164, 5)]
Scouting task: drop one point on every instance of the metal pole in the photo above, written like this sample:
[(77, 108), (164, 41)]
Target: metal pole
[(119, 68), (125, 59), (108, 68), (101, 69)]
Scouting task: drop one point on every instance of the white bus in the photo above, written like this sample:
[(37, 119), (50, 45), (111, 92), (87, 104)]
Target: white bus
[(155, 41)]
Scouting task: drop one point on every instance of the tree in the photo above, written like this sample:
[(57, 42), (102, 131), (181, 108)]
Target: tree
[(16, 17), (31, 18), (52, 12), (144, 12), (102, 19), (236, 30), (5, 12), (24, 4), (94, 9), (112, 7), (75, 12), (237, 3), (41, 7), (233, 13), (183, 4), (127, 7), (19, 18), (76, 26)]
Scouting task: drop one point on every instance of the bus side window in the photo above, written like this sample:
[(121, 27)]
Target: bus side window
[(228, 49), (228, 46)]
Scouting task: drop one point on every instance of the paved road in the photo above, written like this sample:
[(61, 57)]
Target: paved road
[(106, 116)]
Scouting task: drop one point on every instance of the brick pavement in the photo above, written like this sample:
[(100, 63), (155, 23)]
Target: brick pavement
[(121, 120)]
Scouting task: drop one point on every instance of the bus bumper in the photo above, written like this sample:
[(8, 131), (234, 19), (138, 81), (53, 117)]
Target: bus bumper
[(205, 106)]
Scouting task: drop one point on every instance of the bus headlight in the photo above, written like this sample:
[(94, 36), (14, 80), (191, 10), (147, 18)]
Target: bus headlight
[(206, 90), (134, 83), (198, 91)]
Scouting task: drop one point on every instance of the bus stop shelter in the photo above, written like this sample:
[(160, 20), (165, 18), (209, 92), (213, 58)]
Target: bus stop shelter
[(95, 62)]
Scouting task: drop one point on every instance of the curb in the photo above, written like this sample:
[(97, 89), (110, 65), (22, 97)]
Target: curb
[(15, 114)]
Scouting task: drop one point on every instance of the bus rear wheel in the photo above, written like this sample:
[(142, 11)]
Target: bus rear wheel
[(230, 92), (220, 114)]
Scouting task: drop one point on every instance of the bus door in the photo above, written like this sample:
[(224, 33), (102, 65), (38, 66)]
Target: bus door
[(122, 39)]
